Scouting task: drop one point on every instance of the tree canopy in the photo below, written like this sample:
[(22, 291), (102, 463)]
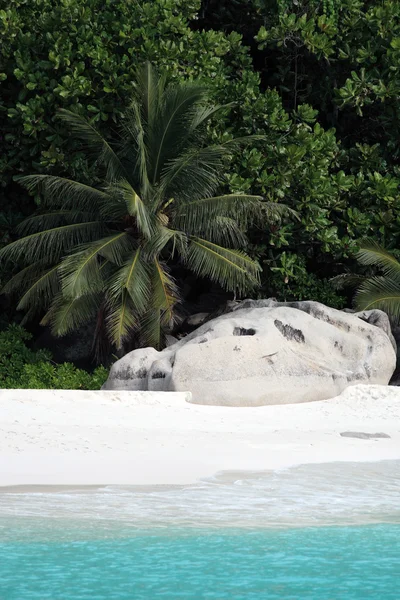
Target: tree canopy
[(319, 80), (108, 252)]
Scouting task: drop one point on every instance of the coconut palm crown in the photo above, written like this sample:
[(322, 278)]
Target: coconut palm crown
[(109, 250)]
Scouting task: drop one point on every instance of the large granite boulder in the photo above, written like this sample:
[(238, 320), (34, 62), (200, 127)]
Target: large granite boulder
[(266, 352)]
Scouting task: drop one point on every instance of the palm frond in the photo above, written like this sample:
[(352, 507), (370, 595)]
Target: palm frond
[(193, 175), (42, 221), (148, 93), (133, 277), (151, 329), (135, 207), (161, 314), (80, 272), (140, 118), (163, 236), (68, 314), (39, 292), (51, 244), (379, 293), (196, 172), (232, 269), (95, 144), (172, 125), (36, 284), (134, 147), (195, 216), (373, 254), (223, 231), (64, 193), (20, 280), (122, 318), (203, 113), (346, 280), (165, 293)]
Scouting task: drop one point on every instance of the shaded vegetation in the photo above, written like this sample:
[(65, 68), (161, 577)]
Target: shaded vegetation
[(21, 368), (319, 81), (107, 254)]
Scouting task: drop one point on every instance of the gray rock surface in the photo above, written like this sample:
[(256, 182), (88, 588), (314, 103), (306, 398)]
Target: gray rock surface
[(266, 352), (361, 435)]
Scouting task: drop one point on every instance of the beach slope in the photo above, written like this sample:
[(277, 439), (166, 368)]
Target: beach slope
[(94, 438)]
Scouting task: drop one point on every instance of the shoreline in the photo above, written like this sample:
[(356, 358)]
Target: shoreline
[(94, 439), (219, 477)]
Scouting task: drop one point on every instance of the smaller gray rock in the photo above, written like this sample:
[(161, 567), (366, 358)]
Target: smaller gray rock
[(170, 340), (197, 319), (364, 436)]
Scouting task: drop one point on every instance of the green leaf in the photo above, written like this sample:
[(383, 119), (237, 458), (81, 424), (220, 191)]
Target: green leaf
[(80, 273), (232, 269)]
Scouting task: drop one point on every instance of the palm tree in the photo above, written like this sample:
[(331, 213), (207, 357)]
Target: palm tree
[(376, 291), (109, 250)]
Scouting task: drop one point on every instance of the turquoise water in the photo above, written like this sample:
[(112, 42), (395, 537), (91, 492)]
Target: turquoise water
[(314, 564), (317, 532)]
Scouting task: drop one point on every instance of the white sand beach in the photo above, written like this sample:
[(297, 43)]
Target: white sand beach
[(95, 438)]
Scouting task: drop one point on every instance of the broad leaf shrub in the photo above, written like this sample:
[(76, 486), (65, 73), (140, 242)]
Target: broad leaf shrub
[(22, 368), (320, 79)]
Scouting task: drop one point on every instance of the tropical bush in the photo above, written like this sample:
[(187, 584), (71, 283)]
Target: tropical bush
[(331, 80), (21, 367), (319, 80), (111, 252), (380, 286)]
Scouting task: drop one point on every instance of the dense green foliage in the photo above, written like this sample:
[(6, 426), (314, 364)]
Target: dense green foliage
[(109, 254), (378, 287), (319, 79), (22, 368)]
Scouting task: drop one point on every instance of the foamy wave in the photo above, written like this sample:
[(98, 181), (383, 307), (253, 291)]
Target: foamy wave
[(309, 495)]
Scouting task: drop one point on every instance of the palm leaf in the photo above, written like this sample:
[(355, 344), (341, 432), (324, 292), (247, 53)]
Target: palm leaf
[(165, 293), (172, 127), (223, 231), (196, 172), (379, 293), (52, 243), (65, 193), (68, 314), (149, 90), (163, 236), (151, 329), (373, 254), (203, 113), (232, 269), (80, 273), (134, 147), (160, 316), (195, 216), (37, 283), (122, 318), (346, 280), (140, 119), (41, 291), (133, 277), (193, 175), (95, 144), (135, 207), (51, 220)]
